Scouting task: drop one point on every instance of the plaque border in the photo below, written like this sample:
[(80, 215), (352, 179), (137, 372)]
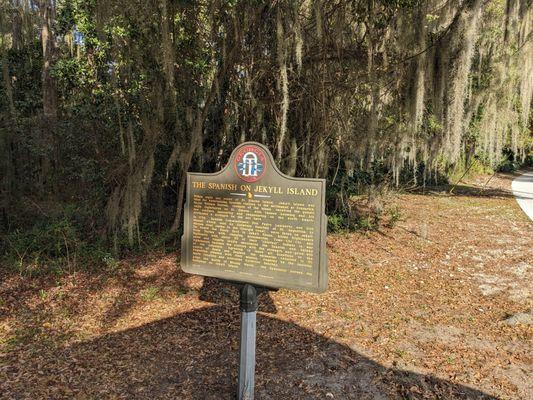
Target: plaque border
[(185, 261)]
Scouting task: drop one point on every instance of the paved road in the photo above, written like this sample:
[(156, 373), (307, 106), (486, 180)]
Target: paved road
[(523, 191)]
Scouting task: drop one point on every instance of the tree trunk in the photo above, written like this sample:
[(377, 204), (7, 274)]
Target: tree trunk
[(47, 12), (293, 159), (6, 161), (49, 90), (17, 25), (198, 125), (187, 159)]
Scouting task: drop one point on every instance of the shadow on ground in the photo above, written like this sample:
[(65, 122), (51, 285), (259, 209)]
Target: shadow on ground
[(220, 292), (194, 356), (464, 190), (481, 189)]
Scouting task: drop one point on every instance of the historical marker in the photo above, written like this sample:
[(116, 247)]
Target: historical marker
[(251, 223)]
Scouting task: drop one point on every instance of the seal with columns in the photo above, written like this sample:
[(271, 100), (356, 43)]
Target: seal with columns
[(250, 163)]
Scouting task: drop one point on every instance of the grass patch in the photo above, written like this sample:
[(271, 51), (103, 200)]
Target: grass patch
[(150, 294)]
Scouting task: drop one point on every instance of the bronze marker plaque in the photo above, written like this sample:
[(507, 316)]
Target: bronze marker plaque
[(251, 223)]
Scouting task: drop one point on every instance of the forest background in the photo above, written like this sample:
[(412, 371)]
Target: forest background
[(105, 105)]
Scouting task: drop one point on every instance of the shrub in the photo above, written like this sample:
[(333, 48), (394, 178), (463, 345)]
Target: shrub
[(358, 204), (508, 165), (53, 244), (337, 223), (395, 215)]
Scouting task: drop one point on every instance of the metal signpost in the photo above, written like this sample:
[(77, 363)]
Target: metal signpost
[(261, 230), (247, 345)]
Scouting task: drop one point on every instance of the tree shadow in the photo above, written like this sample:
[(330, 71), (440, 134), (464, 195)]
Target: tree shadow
[(28, 299), (513, 175), (220, 292), (483, 189), (194, 356), (125, 300), (463, 190)]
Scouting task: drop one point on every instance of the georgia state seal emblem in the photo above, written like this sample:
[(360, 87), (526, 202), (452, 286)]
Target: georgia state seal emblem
[(250, 163)]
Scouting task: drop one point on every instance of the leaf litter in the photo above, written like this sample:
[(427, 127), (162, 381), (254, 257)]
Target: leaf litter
[(415, 311)]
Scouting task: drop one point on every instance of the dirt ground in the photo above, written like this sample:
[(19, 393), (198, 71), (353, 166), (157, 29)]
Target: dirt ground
[(418, 311)]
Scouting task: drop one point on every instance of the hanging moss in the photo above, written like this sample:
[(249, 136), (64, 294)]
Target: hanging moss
[(150, 90)]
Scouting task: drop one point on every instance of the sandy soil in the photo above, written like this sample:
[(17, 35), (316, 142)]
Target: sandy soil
[(418, 311)]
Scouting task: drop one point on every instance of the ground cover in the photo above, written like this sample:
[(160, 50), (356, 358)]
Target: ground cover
[(422, 310)]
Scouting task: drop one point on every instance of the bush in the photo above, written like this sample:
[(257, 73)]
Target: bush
[(507, 165), (511, 162), (357, 203), (61, 238), (395, 215), (48, 246), (52, 244)]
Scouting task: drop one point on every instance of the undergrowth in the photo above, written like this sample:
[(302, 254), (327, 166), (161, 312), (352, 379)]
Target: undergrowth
[(65, 241), (362, 201)]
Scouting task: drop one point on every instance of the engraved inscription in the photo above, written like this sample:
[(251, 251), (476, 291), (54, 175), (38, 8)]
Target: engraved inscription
[(254, 236)]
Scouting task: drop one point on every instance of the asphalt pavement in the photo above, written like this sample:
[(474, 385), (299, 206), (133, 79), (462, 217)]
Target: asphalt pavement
[(523, 192)]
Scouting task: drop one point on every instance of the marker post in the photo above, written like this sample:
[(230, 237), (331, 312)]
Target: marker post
[(248, 306), (251, 194)]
